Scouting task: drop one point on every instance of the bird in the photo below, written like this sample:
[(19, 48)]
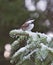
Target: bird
[(28, 25)]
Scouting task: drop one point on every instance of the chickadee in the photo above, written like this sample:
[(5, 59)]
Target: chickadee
[(28, 26)]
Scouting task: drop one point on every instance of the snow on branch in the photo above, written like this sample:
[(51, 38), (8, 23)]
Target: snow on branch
[(30, 44)]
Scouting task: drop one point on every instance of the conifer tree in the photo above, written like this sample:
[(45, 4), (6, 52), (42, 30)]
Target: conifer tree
[(31, 48)]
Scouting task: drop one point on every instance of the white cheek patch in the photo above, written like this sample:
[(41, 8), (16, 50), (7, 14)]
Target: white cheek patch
[(30, 27)]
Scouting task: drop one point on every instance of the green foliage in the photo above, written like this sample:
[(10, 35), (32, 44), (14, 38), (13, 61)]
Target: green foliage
[(31, 48)]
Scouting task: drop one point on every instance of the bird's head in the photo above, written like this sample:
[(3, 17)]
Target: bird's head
[(30, 21)]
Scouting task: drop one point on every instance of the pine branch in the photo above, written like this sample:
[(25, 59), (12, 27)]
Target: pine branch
[(28, 44)]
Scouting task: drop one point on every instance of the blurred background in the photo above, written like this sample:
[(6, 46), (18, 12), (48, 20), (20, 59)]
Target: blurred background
[(13, 13)]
